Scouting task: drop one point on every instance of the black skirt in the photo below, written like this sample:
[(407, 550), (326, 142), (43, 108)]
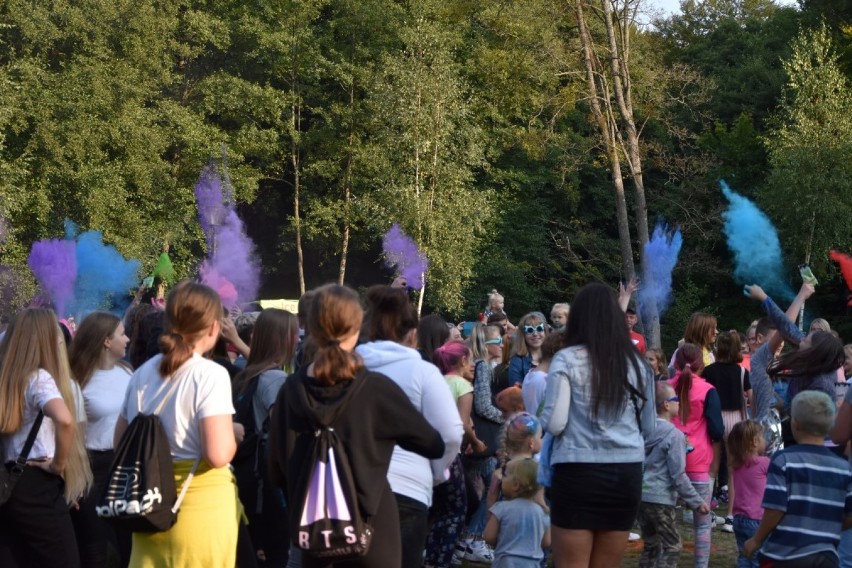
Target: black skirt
[(595, 496)]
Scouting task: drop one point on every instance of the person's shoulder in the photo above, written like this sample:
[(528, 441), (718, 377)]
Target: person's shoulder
[(202, 370)]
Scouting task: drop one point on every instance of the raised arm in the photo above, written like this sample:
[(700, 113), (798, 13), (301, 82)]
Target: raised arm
[(787, 330), (626, 292), (806, 291)]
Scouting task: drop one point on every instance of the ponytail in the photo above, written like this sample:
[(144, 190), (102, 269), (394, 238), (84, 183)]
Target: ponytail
[(332, 364), (191, 310), (335, 315), (689, 360)]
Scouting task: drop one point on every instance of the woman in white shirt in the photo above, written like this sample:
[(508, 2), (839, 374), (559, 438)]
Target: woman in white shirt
[(35, 525), (198, 421), (96, 364)]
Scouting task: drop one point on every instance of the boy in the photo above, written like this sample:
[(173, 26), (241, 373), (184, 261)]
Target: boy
[(559, 316), (663, 482), (807, 501)]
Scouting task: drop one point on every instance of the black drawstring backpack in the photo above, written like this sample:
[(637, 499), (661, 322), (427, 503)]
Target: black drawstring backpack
[(140, 494), (330, 524)]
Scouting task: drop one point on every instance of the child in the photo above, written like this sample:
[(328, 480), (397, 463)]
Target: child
[(656, 359), (559, 316), (749, 468), (518, 528), (510, 400), (521, 439), (808, 497), (496, 303), (663, 482)]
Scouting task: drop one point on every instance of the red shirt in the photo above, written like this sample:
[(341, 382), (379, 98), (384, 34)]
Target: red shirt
[(638, 341)]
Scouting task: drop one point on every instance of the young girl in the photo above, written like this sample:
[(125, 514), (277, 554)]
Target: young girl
[(96, 364), (521, 439), (496, 303), (746, 444), (449, 504), (518, 528), (559, 316), (700, 418), (532, 329), (273, 346), (35, 526), (656, 359), (197, 420)]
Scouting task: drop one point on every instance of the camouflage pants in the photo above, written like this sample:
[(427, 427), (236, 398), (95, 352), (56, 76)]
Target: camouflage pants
[(659, 531)]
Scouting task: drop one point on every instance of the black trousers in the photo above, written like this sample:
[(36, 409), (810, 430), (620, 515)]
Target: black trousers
[(35, 525), (94, 535)]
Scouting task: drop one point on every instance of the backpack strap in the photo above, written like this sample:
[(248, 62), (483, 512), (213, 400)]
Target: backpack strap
[(18, 468)]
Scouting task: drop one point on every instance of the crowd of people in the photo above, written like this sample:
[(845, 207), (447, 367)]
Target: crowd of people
[(516, 445)]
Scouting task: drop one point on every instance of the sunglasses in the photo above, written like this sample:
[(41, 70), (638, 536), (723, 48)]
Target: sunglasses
[(673, 399), (496, 341), (529, 330)]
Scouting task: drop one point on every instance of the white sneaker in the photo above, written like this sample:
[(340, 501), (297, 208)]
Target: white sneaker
[(478, 551), (633, 537), (728, 528)]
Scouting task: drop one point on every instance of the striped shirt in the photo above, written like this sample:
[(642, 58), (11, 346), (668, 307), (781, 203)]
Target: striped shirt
[(813, 487)]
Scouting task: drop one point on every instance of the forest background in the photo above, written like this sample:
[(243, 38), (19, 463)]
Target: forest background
[(468, 122)]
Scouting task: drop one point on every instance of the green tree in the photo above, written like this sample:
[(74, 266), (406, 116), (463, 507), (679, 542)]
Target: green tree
[(809, 189)]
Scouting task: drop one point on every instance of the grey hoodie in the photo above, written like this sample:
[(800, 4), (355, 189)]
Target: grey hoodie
[(665, 477), (410, 474)]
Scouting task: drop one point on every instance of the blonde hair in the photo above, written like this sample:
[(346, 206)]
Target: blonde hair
[(518, 430), (740, 441), (819, 324), (560, 308), (494, 296), (525, 473), (33, 342), (519, 345)]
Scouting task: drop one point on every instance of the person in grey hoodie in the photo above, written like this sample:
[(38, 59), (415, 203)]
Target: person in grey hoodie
[(663, 482), (390, 332)]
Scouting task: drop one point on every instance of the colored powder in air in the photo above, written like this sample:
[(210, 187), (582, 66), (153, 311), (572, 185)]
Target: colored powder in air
[(661, 254), (845, 262), (403, 255), (754, 242), (54, 264), (231, 253), (104, 277)]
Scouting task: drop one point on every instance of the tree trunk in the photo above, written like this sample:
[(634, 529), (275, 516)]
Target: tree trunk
[(629, 137), (347, 185), (296, 125), (610, 143)]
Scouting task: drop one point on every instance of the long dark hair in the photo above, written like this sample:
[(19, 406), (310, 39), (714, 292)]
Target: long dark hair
[(273, 344), (432, 332), (597, 323), (390, 315), (824, 355)]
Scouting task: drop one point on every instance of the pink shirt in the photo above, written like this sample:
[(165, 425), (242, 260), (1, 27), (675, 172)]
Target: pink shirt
[(749, 483)]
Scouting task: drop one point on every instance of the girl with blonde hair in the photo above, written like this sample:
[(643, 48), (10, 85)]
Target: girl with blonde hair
[(197, 419), (35, 524)]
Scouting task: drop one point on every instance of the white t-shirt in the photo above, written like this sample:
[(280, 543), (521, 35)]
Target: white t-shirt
[(204, 391), (103, 397), (532, 390), (41, 389)]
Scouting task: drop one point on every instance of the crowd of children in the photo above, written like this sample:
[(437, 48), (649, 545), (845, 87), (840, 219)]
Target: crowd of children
[(484, 442)]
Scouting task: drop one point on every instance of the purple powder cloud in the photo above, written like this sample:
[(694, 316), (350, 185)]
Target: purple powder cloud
[(403, 255), (54, 264)]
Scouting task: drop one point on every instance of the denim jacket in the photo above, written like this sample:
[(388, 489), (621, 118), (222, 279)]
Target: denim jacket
[(579, 437)]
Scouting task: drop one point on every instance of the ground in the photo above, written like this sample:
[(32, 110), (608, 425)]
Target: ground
[(723, 547)]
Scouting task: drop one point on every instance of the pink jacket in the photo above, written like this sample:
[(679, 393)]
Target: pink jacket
[(698, 461)]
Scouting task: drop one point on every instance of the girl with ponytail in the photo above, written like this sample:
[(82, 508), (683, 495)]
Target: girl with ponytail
[(197, 419), (374, 420), (35, 524), (700, 418)]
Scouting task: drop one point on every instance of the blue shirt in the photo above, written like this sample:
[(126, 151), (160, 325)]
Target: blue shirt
[(522, 527), (813, 488)]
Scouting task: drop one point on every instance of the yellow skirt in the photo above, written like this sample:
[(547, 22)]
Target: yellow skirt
[(205, 534)]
